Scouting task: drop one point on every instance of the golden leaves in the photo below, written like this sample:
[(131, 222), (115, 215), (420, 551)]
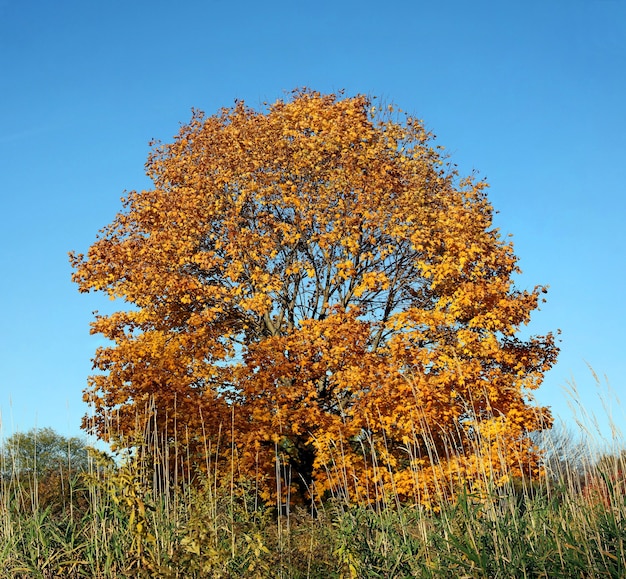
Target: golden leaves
[(311, 270)]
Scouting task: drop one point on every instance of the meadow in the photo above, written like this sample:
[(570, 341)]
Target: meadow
[(112, 522)]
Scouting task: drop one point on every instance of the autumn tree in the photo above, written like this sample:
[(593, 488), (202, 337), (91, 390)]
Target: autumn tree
[(312, 287)]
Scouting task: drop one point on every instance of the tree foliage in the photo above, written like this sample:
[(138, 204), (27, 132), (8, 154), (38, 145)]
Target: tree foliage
[(41, 451), (311, 283), (41, 468)]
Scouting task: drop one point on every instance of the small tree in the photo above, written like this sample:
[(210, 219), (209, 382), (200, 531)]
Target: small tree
[(315, 281), (42, 450), (39, 467)]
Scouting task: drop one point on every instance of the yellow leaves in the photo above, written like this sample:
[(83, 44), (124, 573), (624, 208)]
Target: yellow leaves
[(309, 272), (345, 269), (372, 281)]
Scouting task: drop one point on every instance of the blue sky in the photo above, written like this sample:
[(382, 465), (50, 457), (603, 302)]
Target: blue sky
[(531, 94)]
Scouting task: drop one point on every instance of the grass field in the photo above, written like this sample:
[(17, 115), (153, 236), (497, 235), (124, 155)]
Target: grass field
[(110, 523)]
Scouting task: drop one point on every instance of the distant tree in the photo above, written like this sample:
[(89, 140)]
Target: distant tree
[(566, 455), (605, 479), (314, 280), (41, 451), (41, 469)]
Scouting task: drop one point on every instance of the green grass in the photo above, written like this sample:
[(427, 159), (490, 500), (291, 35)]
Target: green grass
[(110, 524)]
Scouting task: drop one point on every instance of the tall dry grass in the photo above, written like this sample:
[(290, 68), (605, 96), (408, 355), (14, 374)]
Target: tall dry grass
[(119, 519)]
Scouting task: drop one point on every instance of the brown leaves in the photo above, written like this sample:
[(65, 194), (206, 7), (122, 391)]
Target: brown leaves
[(311, 270)]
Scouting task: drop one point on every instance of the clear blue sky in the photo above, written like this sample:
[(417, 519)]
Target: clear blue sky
[(532, 94)]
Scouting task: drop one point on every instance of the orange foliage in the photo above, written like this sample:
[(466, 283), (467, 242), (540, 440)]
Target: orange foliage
[(314, 280)]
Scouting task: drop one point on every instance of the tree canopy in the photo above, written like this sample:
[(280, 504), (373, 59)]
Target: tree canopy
[(41, 451), (312, 283)]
